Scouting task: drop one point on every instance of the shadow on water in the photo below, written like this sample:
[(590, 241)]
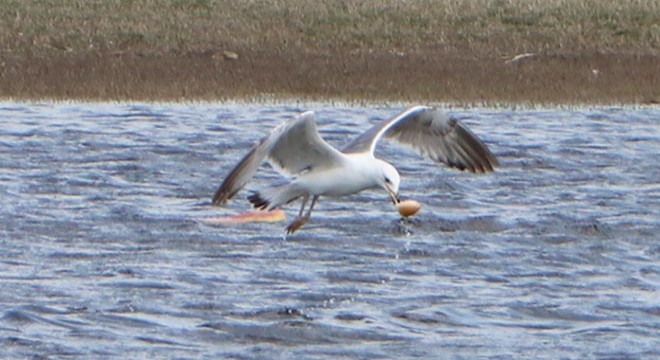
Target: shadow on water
[(554, 255)]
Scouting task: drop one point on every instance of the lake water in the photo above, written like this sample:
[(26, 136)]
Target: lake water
[(555, 255)]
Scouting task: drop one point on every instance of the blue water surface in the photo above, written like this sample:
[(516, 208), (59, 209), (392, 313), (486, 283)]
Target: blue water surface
[(103, 255)]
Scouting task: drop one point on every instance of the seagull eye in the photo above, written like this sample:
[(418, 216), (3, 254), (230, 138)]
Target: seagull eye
[(387, 180)]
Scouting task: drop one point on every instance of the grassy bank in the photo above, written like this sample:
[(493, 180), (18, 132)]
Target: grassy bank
[(596, 51)]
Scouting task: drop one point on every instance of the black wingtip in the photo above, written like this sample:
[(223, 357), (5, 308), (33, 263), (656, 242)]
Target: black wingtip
[(259, 203), (222, 196), (479, 158), (219, 198)]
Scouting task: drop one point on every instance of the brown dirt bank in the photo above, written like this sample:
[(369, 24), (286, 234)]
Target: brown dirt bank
[(421, 76), (463, 51)]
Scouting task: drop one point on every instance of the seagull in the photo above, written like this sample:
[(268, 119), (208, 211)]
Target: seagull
[(314, 168)]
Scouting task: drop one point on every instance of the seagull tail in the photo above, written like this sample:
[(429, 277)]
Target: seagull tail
[(275, 197)]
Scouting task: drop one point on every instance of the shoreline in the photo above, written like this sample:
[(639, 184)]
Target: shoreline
[(541, 79), (311, 104)]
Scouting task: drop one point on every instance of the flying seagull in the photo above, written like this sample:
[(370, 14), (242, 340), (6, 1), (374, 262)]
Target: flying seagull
[(315, 168)]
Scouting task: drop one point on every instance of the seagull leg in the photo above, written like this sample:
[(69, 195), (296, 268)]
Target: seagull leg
[(298, 221), (304, 202), (311, 207), (302, 220)]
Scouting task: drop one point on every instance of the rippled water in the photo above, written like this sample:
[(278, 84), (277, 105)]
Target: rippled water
[(554, 255)]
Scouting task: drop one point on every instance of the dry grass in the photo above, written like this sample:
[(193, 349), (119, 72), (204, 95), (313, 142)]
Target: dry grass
[(452, 50)]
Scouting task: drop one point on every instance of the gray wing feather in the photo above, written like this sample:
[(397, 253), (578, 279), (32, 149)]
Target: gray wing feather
[(434, 134), (242, 172), (291, 148), (300, 148)]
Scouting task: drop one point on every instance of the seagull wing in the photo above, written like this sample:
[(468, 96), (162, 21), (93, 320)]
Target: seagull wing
[(432, 133), (291, 148)]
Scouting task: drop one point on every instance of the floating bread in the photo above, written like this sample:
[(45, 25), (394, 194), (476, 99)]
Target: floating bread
[(250, 216), (408, 207)]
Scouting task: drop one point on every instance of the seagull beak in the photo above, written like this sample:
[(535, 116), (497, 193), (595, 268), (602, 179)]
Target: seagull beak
[(393, 195)]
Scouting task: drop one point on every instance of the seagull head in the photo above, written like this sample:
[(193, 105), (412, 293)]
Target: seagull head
[(390, 180)]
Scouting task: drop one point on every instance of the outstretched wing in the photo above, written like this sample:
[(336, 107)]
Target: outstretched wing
[(291, 148), (433, 133)]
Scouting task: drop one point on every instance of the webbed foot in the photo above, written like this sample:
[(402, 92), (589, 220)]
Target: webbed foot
[(297, 224)]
